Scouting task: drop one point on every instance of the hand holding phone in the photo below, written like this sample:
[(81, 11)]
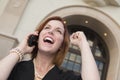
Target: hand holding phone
[(32, 41)]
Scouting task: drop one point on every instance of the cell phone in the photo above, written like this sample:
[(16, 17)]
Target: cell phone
[(32, 41)]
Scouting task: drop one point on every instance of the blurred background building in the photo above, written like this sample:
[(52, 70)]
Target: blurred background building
[(99, 19)]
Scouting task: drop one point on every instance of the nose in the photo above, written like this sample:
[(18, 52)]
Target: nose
[(51, 32)]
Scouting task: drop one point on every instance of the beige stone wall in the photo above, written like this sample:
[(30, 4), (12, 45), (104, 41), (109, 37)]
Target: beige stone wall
[(3, 4), (6, 43), (10, 14), (38, 10)]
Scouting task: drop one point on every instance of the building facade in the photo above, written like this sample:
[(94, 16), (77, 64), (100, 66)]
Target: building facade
[(100, 20)]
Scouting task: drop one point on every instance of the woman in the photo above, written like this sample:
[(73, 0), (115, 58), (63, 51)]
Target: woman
[(48, 54)]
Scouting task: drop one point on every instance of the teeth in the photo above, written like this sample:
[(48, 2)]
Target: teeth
[(49, 40)]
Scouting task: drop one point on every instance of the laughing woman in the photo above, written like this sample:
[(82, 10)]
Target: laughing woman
[(48, 54)]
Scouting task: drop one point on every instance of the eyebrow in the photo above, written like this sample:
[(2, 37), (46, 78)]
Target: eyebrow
[(56, 28)]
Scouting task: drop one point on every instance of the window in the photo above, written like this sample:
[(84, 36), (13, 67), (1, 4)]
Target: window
[(72, 60)]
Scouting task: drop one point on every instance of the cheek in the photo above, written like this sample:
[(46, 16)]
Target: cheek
[(60, 40)]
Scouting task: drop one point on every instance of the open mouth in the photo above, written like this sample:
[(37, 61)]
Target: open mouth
[(48, 40)]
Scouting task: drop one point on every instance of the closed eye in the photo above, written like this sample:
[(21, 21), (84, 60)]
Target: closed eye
[(47, 27), (59, 31)]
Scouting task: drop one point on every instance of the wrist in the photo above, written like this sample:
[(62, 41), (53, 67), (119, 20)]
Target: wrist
[(83, 45), (18, 52)]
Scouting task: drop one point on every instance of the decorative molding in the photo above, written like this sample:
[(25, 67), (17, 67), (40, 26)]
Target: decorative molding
[(11, 15), (102, 3), (7, 42), (110, 26)]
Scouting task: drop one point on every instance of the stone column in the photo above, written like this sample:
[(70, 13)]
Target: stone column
[(8, 22), (11, 15)]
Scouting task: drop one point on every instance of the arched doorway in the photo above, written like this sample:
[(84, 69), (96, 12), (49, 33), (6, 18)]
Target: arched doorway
[(109, 27)]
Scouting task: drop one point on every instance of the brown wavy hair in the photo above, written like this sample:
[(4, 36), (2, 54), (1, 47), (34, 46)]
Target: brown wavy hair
[(59, 57)]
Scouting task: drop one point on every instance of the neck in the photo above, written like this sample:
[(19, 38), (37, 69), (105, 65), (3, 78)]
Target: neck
[(44, 60), (43, 63), (40, 72)]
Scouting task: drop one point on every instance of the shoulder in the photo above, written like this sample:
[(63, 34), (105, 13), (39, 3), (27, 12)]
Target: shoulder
[(25, 63), (61, 74), (23, 66), (22, 70), (69, 75)]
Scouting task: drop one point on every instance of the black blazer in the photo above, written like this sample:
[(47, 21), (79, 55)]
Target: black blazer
[(25, 71)]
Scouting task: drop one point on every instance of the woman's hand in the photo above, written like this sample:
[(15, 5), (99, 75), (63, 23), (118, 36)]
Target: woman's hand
[(23, 46), (78, 39)]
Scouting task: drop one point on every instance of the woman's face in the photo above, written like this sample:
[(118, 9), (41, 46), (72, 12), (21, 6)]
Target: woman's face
[(51, 37)]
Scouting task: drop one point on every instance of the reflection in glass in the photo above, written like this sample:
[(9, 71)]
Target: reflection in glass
[(64, 63), (98, 52), (76, 67), (101, 66), (78, 59), (67, 56), (70, 65), (90, 43), (72, 57)]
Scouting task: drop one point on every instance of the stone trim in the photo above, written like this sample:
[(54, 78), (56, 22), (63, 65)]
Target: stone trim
[(110, 26)]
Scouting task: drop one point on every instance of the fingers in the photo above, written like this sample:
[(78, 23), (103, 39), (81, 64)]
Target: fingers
[(24, 44), (36, 33), (77, 35), (33, 33)]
